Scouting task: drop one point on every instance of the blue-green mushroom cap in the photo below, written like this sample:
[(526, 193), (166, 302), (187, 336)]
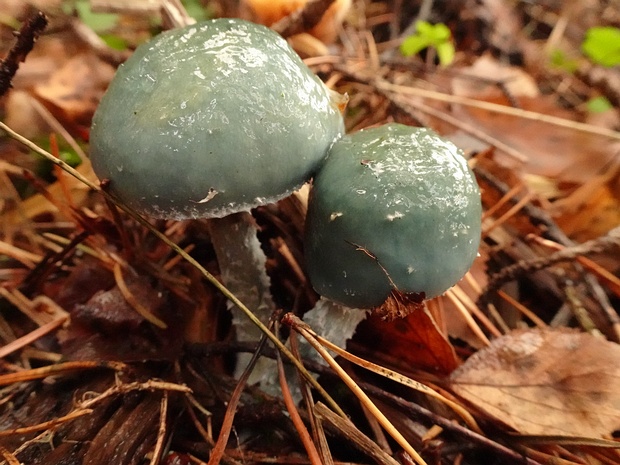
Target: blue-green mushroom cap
[(212, 119), (393, 208)]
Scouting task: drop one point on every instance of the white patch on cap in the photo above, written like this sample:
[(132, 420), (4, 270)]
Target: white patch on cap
[(212, 193)]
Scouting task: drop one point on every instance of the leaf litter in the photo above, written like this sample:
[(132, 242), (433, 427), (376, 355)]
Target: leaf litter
[(546, 382), (141, 370)]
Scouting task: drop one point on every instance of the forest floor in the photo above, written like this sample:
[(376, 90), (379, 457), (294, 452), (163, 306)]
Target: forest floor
[(116, 341)]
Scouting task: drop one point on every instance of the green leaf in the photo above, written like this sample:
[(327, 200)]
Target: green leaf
[(424, 29), (602, 45), (445, 52), (196, 10), (413, 45), (98, 22), (441, 33), (430, 35), (560, 60), (599, 105), (114, 41), (70, 157)]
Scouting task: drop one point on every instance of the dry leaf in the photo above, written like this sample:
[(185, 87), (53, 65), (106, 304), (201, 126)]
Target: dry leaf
[(73, 91), (268, 12), (560, 153), (475, 80), (546, 382), (415, 341), (592, 209)]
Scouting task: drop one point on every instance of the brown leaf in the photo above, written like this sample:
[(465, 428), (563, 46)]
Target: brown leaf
[(559, 153), (414, 341), (546, 382), (592, 209), (73, 91), (107, 327)]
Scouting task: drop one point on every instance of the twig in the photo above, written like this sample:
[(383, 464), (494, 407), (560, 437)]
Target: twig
[(9, 457), (359, 439), (227, 423), (205, 273), (470, 436), (175, 14), (302, 329), (406, 105), (541, 218), (399, 378), (302, 431), (318, 432), (26, 37), (609, 241), (133, 302), (61, 368), (47, 424), (32, 336), (385, 85), (161, 433), (303, 19), (28, 259), (501, 109)]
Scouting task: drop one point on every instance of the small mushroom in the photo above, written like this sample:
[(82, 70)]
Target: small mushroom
[(394, 208), (211, 120)]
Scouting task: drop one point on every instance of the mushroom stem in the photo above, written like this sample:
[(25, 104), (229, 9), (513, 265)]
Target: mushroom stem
[(332, 321), (242, 269)]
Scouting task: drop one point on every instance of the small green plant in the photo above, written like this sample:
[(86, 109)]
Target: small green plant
[(427, 35), (197, 10), (602, 45), (98, 22), (598, 105), (561, 60)]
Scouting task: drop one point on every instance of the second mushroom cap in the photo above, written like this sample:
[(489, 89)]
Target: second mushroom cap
[(394, 208)]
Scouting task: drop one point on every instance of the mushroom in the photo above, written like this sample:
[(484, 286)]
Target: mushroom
[(393, 209), (211, 120)]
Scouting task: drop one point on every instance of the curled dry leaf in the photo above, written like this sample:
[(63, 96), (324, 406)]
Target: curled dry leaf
[(73, 91), (415, 341), (546, 382)]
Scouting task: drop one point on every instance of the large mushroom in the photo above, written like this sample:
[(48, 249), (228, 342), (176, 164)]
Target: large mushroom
[(393, 209), (211, 120)]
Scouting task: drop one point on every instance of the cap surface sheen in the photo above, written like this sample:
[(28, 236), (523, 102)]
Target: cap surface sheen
[(393, 207), (212, 119)]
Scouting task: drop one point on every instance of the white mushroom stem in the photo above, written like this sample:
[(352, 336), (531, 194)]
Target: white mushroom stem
[(334, 322), (242, 268)]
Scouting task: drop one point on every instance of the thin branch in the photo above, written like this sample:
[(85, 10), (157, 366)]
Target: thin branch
[(601, 244), (205, 273), (302, 431), (26, 37), (302, 328), (217, 453), (508, 455), (161, 434)]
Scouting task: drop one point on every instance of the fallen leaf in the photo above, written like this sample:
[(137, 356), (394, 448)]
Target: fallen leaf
[(561, 153), (107, 327), (475, 80), (73, 91), (592, 209), (546, 382), (414, 341)]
